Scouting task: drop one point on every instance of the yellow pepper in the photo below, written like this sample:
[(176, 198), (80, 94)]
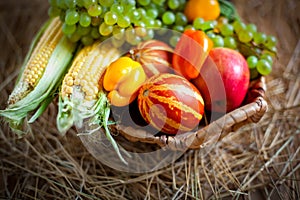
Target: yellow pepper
[(206, 9), (122, 79)]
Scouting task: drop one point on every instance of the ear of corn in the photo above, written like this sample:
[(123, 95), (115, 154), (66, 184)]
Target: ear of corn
[(82, 99), (81, 89), (41, 74)]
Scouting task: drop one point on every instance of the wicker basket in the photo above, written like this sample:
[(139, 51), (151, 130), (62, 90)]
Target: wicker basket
[(252, 111)]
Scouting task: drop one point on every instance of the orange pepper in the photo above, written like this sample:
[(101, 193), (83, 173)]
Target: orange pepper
[(206, 9), (122, 79), (190, 53)]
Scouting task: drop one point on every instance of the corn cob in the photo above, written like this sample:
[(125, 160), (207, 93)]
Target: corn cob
[(40, 75), (82, 100), (81, 86)]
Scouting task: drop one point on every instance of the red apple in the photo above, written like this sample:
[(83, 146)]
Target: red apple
[(223, 80)]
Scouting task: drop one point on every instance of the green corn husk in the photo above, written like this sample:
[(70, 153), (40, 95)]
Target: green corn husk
[(29, 101)]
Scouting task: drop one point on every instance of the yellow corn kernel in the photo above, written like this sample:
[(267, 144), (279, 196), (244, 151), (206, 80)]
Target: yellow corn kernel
[(38, 61), (86, 71)]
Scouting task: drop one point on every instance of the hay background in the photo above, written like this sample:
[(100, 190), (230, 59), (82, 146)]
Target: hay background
[(258, 161)]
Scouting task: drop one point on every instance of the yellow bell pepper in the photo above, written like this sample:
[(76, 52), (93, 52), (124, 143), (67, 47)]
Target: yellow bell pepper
[(122, 79)]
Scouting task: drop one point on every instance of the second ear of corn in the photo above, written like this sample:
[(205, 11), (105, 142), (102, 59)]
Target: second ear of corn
[(83, 101), (45, 64), (81, 89)]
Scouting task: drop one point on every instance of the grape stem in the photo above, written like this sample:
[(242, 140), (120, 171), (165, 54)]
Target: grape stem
[(248, 49)]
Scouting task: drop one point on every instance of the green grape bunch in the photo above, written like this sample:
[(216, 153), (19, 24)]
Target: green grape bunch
[(89, 20), (132, 21)]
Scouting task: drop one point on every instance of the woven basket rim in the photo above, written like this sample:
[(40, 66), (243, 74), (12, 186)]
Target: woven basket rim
[(252, 110)]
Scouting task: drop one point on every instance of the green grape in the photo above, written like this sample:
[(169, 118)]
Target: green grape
[(118, 32), (273, 49), (252, 62), (168, 18), (128, 5), (245, 36), (149, 35), (263, 67), (230, 42), (85, 19), (71, 3), (140, 24), (173, 4), (141, 31), (123, 21), (197, 23), (87, 40), (148, 21), (105, 29), (53, 12), (218, 41), (141, 12), (134, 40), (208, 25), (189, 27), (238, 26), (72, 17), (52, 3), (222, 21), (161, 9), (271, 41), (104, 11), (267, 57), (117, 42), (214, 23), (106, 3), (95, 33), (130, 32), (182, 4), (174, 40), (88, 3), (159, 2), (61, 4), (211, 35), (180, 19), (251, 28), (74, 37), (94, 10), (134, 15), (150, 6), (259, 38), (83, 30), (157, 23), (68, 29), (144, 2), (152, 13), (110, 18), (116, 8), (178, 28), (226, 30), (162, 31)]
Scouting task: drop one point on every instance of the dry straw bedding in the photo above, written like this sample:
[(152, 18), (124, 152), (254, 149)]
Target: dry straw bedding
[(257, 161)]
